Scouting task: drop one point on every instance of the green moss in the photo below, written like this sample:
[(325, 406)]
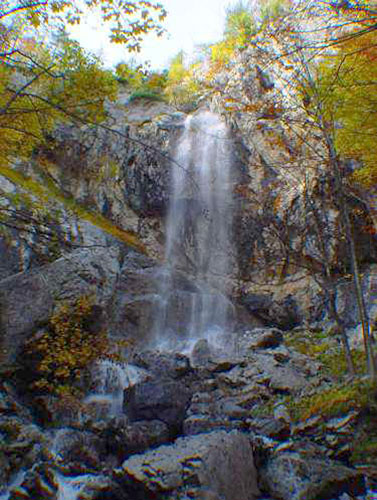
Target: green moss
[(322, 347), (146, 94), (335, 364), (47, 190), (334, 401)]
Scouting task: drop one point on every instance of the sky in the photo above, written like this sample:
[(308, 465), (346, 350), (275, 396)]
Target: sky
[(189, 23)]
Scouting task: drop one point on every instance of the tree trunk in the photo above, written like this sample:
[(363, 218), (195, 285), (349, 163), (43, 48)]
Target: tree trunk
[(367, 340)]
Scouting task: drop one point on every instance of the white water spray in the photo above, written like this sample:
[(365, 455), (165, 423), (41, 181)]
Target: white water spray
[(111, 379), (198, 233)]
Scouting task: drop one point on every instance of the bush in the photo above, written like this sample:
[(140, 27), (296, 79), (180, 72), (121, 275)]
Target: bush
[(65, 351), (182, 88), (145, 94), (240, 24), (143, 83), (272, 9), (321, 347)]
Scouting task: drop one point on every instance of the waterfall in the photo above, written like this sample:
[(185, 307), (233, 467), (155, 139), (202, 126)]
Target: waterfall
[(110, 380), (198, 232)]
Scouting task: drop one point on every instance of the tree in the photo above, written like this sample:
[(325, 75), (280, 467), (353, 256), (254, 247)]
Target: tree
[(128, 21), (45, 81), (240, 23), (348, 84), (182, 87), (321, 118), (294, 48)]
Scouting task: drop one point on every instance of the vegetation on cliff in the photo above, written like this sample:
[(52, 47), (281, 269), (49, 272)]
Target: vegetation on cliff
[(63, 354), (44, 83), (46, 80)]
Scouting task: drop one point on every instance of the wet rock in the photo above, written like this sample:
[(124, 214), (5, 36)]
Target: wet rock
[(198, 424), (163, 400), (78, 449), (202, 466), (22, 445), (151, 433), (201, 353), (39, 482), (172, 121), (118, 438), (163, 365), (293, 476), (136, 300), (102, 488)]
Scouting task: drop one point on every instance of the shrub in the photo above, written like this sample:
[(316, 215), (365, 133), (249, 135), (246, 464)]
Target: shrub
[(129, 74), (272, 9), (145, 94), (182, 88), (144, 84), (66, 350), (327, 351), (240, 24)]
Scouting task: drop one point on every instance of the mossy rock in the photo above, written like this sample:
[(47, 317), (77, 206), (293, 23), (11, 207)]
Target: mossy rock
[(334, 401)]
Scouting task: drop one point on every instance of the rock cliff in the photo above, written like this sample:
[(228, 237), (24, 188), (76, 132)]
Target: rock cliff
[(206, 422)]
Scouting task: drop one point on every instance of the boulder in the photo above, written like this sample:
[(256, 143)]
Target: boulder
[(264, 338), (201, 353), (205, 466), (22, 445), (164, 400), (78, 449), (39, 482), (28, 299), (121, 438), (200, 423), (294, 476), (275, 428), (163, 365)]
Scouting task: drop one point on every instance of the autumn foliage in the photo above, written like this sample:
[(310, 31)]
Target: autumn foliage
[(65, 351)]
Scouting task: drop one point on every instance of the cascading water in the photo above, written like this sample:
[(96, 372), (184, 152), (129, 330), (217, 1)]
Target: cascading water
[(198, 233), (111, 379)]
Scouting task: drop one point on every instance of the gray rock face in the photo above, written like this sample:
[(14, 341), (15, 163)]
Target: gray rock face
[(291, 476), (164, 365), (10, 260), (207, 466), (28, 299), (164, 400), (136, 299)]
